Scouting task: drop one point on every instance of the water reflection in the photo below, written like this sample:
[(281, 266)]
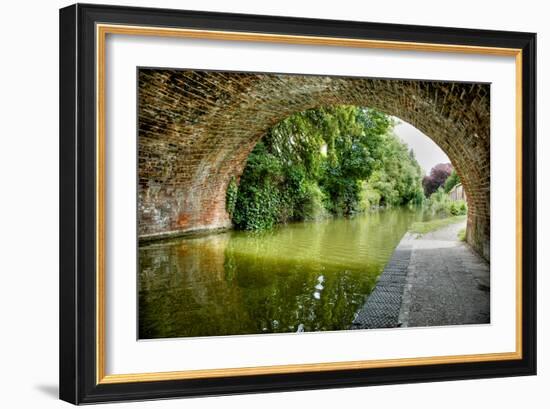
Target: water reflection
[(299, 277)]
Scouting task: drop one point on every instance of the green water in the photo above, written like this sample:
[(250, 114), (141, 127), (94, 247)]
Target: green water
[(302, 276)]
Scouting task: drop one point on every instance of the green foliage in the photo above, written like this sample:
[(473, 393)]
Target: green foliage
[(312, 202), (260, 203), (369, 197), (440, 203), (354, 151), (336, 160), (451, 181), (461, 235), (231, 196), (458, 208), (398, 179)]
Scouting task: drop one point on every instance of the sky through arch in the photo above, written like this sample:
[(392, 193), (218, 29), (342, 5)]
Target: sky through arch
[(427, 152)]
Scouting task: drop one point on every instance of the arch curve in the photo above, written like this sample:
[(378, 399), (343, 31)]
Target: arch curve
[(196, 129)]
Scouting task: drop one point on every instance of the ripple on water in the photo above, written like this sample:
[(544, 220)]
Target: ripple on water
[(295, 278)]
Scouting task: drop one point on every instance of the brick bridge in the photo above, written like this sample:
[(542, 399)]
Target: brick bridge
[(196, 129)]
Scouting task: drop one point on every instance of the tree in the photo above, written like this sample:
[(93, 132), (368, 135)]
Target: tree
[(437, 177), (329, 160), (354, 151), (451, 181)]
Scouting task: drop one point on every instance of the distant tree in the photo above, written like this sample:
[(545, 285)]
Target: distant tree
[(437, 177), (451, 181), (334, 160)]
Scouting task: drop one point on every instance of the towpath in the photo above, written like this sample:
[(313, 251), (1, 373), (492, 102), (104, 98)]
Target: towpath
[(432, 279)]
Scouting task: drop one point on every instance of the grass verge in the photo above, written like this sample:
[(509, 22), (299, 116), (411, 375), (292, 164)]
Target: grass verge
[(461, 235), (425, 227)]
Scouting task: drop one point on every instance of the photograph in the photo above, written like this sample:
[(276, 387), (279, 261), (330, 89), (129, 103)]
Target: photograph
[(291, 203), (274, 205), (257, 203)]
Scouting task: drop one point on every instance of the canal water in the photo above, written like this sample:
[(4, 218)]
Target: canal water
[(311, 276)]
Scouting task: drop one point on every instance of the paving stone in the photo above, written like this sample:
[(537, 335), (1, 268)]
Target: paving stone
[(432, 280)]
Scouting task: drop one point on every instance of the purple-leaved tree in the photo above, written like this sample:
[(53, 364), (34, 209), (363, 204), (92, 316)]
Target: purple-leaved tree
[(437, 177)]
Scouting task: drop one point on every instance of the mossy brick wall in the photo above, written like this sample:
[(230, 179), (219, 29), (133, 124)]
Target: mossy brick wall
[(196, 129)]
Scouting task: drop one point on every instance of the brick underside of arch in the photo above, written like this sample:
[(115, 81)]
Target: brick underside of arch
[(196, 129)]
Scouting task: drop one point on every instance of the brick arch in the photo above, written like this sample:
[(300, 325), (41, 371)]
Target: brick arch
[(196, 129)]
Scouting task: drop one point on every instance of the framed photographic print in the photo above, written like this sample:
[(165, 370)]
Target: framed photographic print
[(258, 203)]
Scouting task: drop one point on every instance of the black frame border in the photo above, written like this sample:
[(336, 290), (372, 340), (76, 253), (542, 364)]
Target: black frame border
[(77, 252)]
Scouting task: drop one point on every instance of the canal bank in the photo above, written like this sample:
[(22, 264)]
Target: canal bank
[(432, 279)]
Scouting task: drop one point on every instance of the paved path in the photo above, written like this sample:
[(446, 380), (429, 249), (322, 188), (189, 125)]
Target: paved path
[(447, 282), (431, 280)]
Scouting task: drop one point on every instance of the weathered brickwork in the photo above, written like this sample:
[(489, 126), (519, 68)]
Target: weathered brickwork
[(196, 129)]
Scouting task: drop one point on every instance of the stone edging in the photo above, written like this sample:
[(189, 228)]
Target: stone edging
[(383, 306)]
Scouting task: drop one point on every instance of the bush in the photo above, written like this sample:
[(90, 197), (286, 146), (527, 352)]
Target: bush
[(441, 204), (259, 202), (311, 205), (257, 208), (369, 197), (458, 208)]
